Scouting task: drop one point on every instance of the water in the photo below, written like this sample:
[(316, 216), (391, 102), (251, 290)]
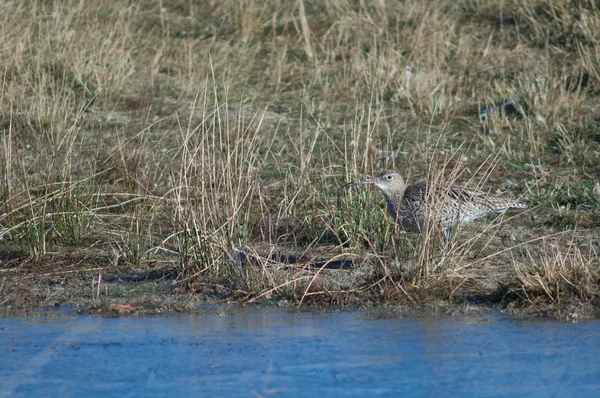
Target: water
[(278, 353)]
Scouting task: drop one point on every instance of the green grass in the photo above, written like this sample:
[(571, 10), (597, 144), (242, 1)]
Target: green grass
[(179, 134)]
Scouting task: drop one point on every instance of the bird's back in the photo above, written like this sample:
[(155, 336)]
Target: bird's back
[(447, 205), (462, 205)]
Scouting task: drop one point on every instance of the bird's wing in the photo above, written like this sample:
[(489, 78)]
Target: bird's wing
[(480, 200)]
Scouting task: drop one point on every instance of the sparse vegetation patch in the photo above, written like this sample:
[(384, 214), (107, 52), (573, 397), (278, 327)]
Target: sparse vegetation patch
[(157, 154)]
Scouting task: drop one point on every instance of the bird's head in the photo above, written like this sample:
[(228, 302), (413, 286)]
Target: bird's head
[(389, 182)]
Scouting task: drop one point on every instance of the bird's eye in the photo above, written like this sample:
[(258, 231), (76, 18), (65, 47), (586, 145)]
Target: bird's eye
[(389, 177)]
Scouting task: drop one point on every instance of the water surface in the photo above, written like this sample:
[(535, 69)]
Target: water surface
[(280, 353)]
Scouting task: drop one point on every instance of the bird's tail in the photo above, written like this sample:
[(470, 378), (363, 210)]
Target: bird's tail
[(511, 206)]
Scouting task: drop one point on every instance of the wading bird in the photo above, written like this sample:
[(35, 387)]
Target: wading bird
[(410, 205)]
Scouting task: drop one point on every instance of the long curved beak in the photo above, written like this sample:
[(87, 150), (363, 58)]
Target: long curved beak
[(355, 183)]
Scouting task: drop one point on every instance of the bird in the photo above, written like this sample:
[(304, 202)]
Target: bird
[(449, 205)]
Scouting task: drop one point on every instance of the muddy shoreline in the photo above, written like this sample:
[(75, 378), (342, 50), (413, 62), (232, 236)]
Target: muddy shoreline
[(28, 289)]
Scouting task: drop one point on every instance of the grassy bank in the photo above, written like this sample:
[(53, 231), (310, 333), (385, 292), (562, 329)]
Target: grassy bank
[(201, 145)]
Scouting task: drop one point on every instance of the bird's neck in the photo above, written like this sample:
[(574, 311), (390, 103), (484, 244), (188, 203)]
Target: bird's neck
[(395, 197)]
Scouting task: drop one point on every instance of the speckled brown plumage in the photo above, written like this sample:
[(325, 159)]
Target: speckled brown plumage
[(447, 205)]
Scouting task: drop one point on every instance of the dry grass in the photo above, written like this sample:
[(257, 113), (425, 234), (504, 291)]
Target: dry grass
[(560, 272), (213, 136)]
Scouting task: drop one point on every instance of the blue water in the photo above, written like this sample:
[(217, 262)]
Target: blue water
[(289, 354)]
